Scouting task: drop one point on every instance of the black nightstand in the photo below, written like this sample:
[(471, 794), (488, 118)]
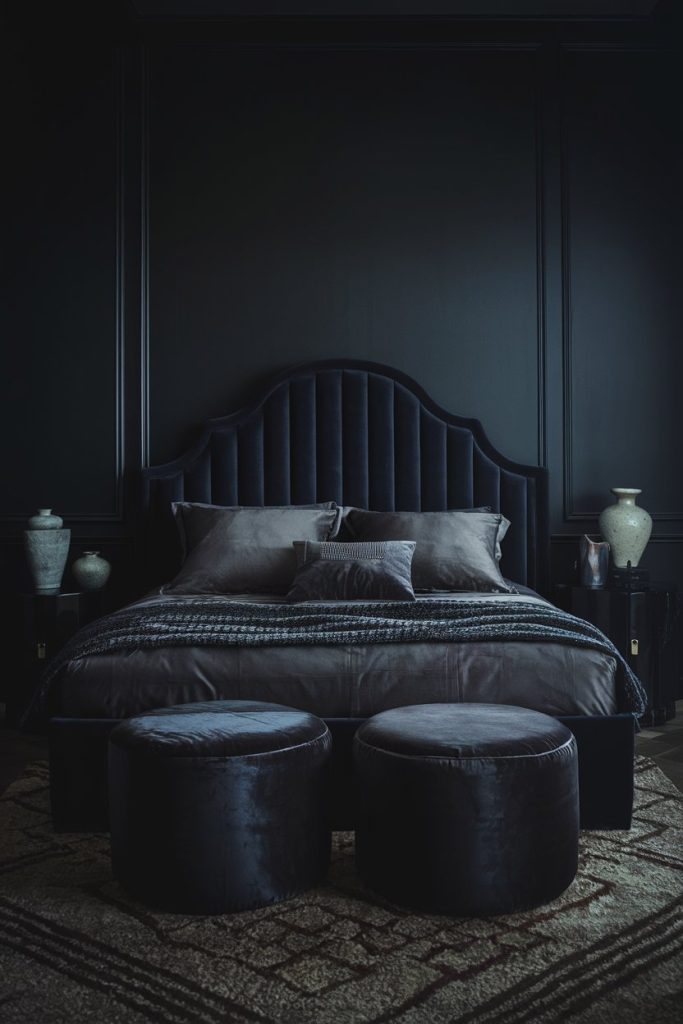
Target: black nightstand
[(48, 621), (645, 626)]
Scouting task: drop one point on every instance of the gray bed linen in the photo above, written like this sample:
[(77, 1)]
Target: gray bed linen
[(346, 680)]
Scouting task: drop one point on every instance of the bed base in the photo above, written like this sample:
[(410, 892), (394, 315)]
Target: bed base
[(78, 771)]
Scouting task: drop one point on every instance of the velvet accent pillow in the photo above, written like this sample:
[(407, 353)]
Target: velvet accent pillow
[(247, 550), (455, 550), (353, 572)]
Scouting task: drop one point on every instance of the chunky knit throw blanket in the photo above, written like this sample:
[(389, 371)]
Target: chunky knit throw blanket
[(219, 623)]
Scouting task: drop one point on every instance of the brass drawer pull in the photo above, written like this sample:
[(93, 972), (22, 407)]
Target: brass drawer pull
[(634, 646)]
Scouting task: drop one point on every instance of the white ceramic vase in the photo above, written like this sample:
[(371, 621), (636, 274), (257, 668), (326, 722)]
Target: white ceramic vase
[(626, 527)]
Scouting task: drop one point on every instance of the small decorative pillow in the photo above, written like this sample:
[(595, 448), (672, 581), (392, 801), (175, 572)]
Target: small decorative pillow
[(334, 571)]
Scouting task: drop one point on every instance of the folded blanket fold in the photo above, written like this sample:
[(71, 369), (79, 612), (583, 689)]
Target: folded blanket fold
[(221, 623)]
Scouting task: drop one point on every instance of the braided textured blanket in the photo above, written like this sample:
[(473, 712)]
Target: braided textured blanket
[(220, 623)]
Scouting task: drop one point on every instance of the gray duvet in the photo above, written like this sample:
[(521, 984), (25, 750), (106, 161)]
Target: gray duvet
[(349, 680)]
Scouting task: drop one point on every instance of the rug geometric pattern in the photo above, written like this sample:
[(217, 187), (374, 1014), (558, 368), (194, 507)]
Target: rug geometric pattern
[(74, 947)]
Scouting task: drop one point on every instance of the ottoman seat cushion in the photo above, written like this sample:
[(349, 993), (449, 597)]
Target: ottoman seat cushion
[(464, 731), (219, 806), (218, 728), (467, 808)]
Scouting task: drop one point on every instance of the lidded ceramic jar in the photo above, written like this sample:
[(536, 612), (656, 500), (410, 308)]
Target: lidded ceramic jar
[(626, 527), (91, 571)]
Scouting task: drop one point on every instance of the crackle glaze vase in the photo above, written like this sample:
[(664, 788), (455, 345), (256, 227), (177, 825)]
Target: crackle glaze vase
[(91, 571), (626, 527), (47, 547)]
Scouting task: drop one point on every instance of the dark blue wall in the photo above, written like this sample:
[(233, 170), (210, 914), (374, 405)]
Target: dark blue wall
[(493, 209)]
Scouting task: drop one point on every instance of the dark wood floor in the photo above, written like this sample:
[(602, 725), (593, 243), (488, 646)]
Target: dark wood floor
[(664, 744), (17, 751)]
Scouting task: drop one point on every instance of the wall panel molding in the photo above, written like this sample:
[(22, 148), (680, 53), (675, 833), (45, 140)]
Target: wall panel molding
[(568, 496), (541, 308), (662, 538), (115, 516), (525, 46), (144, 254)]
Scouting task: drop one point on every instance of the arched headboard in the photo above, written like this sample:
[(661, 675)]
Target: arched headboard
[(357, 433)]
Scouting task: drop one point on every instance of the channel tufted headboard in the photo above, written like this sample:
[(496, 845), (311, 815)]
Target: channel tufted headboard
[(357, 433)]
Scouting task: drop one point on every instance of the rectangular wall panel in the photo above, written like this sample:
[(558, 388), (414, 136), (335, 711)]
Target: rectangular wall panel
[(624, 367), (362, 203), (60, 352)]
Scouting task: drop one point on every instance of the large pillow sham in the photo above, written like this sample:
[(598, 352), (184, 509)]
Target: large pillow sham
[(455, 550), (247, 550), (345, 533), (195, 519), (334, 571)]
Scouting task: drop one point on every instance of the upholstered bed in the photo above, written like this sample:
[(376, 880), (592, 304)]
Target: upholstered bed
[(360, 435)]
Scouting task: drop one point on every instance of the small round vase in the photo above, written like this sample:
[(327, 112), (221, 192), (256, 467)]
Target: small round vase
[(626, 527), (91, 571), (45, 520)]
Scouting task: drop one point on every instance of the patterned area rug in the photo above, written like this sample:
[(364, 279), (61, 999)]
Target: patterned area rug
[(74, 948)]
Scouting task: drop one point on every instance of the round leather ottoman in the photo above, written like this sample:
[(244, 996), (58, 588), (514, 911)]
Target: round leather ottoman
[(219, 806), (466, 809)]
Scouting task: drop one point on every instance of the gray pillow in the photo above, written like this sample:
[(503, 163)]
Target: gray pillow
[(455, 550), (346, 534), (247, 550), (195, 519), (352, 572)]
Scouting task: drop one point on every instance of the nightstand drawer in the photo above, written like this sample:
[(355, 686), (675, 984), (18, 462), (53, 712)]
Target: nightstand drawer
[(48, 621), (644, 625)]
